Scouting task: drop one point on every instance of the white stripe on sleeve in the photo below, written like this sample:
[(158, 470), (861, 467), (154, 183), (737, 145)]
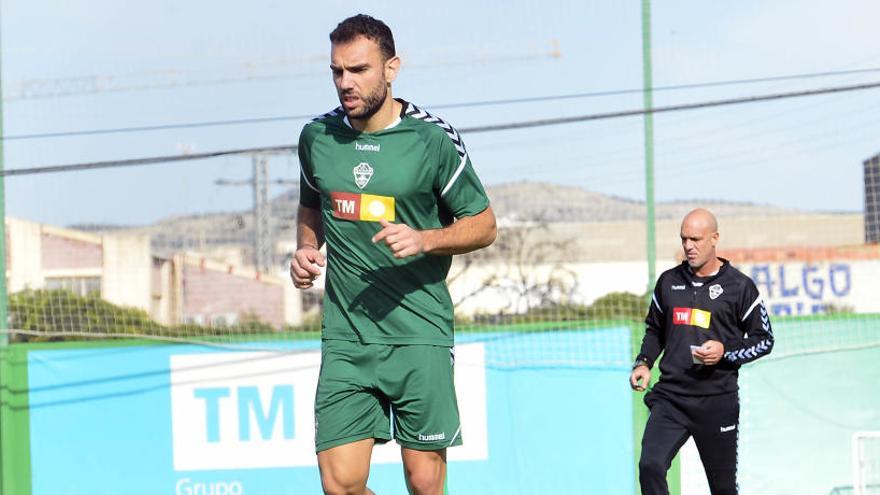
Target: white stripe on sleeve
[(306, 180), (458, 172), (751, 308), (654, 298)]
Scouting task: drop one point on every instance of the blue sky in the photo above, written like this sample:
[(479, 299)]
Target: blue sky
[(801, 153)]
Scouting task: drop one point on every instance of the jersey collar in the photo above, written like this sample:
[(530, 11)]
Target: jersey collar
[(403, 106), (690, 274)]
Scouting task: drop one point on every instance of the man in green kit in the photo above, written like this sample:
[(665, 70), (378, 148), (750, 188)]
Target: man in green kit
[(391, 190)]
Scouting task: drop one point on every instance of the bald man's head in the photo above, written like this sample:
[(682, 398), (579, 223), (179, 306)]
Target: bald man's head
[(699, 236), (701, 218)]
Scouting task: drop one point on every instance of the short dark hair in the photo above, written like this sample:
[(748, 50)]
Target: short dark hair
[(368, 27)]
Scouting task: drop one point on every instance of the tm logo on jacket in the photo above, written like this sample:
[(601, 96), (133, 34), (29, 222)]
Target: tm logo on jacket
[(691, 316)]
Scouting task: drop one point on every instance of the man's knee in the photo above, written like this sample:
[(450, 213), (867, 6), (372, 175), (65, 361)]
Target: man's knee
[(426, 480), (425, 471), (338, 482), (651, 467), (345, 469), (722, 482)]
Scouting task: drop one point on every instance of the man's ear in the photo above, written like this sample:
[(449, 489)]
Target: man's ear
[(392, 67)]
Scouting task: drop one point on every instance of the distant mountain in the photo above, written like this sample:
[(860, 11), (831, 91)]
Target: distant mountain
[(533, 201), (514, 203)]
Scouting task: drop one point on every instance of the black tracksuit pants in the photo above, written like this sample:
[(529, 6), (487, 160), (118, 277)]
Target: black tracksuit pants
[(712, 420)]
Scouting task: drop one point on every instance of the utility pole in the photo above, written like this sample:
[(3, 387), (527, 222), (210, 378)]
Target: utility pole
[(4, 324), (4, 314), (262, 208), (650, 234), (262, 213)]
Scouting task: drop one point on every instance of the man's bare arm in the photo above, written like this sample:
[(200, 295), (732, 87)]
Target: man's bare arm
[(309, 227), (465, 235), (307, 261)]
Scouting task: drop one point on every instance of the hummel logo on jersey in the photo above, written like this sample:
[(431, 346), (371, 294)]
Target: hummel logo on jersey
[(690, 316), (725, 429), (715, 291), (367, 147), (362, 174), (678, 287), (432, 437)]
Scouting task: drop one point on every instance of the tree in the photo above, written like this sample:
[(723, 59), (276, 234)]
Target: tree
[(53, 315), (611, 306), (530, 269), (618, 306), (40, 315)]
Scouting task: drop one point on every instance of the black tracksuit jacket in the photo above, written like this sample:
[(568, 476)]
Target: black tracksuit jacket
[(689, 310)]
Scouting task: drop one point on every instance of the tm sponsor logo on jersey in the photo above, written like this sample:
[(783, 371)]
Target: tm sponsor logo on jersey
[(433, 437), (364, 207), (367, 147), (363, 172), (691, 316)]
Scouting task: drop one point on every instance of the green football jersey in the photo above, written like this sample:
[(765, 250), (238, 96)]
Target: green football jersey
[(416, 172)]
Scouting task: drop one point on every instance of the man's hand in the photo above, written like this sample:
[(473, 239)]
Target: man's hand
[(640, 378), (304, 267), (401, 238), (710, 352)]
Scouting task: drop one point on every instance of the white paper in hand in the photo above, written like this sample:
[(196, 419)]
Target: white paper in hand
[(693, 356)]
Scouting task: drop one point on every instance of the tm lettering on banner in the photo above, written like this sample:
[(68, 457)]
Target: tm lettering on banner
[(243, 410), (251, 410)]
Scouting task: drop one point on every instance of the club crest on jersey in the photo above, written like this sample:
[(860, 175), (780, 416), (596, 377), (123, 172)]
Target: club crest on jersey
[(363, 172), (715, 291)]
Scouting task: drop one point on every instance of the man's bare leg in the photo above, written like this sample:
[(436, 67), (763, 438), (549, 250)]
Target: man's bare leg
[(345, 469), (425, 471)]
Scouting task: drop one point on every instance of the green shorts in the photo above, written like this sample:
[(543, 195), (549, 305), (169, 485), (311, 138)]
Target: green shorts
[(361, 385)]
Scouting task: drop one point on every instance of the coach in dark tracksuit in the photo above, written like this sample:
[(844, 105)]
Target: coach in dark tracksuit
[(708, 319)]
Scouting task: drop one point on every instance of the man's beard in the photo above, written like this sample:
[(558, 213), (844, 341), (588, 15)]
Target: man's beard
[(371, 103)]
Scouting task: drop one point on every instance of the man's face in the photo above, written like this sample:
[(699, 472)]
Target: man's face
[(361, 75), (698, 241)]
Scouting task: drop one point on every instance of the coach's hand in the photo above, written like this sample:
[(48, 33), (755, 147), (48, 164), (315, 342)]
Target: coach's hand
[(304, 267), (640, 378), (401, 238), (710, 352)]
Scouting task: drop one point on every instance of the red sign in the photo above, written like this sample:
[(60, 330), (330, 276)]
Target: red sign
[(681, 316), (346, 205)]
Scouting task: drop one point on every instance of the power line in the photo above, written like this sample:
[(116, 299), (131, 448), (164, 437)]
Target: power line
[(479, 103), (677, 87), (466, 130), (144, 161), (749, 123), (671, 108), (160, 127), (249, 71)]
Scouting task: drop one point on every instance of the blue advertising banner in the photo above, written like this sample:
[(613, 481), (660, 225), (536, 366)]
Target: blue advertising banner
[(194, 420)]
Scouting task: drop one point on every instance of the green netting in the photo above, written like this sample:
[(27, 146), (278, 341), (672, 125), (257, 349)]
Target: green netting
[(801, 406)]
